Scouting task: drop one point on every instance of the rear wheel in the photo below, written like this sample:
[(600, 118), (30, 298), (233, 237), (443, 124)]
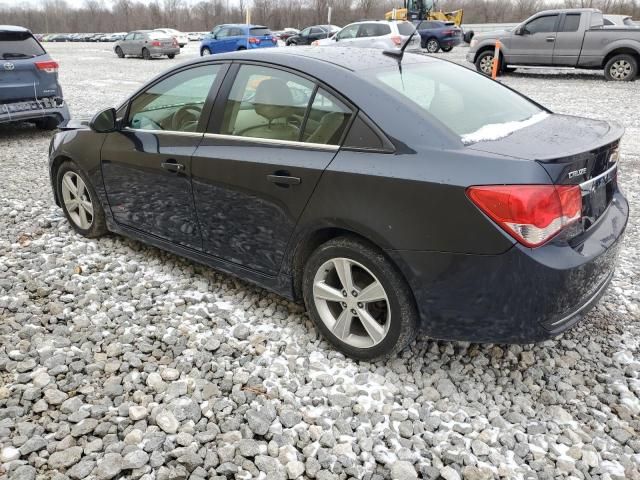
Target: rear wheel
[(432, 45), (447, 49), (242, 48), (79, 201), (484, 62), (172, 55), (119, 52), (49, 123), (291, 44), (146, 54), (205, 51), (621, 68), (358, 300)]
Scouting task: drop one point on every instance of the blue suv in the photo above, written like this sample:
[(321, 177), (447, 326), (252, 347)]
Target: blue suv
[(231, 37), (29, 88)]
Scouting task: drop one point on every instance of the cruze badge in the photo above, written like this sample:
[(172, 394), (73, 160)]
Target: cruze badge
[(577, 173), (9, 66)]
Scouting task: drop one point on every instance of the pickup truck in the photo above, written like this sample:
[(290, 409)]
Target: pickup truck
[(573, 37)]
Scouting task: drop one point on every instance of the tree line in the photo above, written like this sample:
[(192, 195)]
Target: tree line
[(60, 16)]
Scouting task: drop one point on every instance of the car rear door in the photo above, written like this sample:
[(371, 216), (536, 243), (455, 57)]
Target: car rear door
[(347, 36), (146, 164), (271, 137), (534, 46), (569, 38)]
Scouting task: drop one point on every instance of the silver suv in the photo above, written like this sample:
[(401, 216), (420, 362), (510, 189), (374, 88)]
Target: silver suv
[(374, 34)]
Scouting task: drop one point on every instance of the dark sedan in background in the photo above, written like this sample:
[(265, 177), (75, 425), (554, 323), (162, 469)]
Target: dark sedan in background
[(29, 88), (391, 198), (437, 35), (310, 34)]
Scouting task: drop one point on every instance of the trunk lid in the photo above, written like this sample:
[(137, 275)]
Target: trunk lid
[(573, 151)]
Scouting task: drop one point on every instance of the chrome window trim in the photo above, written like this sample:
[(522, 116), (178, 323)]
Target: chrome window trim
[(172, 132), (270, 141)]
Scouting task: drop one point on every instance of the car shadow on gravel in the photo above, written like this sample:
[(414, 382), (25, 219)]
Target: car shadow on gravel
[(560, 76), (22, 130)]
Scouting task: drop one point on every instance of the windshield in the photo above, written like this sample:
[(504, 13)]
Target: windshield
[(19, 45), (464, 101)]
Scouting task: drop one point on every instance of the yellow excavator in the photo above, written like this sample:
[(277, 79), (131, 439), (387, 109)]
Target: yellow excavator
[(416, 10)]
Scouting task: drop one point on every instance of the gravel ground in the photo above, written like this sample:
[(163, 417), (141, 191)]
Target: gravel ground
[(118, 360)]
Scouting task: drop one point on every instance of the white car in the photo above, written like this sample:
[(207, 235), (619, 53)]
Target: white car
[(619, 21), (182, 38), (381, 34)]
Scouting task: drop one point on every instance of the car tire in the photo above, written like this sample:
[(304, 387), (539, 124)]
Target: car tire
[(484, 62), (146, 54), (79, 201), (205, 51), (292, 44), (447, 49), (242, 48), (367, 330), (119, 52), (621, 68), (48, 123), (432, 45), (172, 55)]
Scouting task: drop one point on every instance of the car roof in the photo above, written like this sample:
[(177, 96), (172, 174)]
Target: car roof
[(241, 25), (349, 58), (12, 28)]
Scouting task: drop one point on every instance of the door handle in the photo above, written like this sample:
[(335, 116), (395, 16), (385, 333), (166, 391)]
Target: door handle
[(551, 39), (283, 179), (172, 166)]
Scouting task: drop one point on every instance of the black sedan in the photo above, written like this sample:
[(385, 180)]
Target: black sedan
[(310, 34), (389, 197)]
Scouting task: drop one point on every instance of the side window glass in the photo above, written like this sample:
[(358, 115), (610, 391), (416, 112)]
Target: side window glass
[(571, 22), (175, 103), (367, 30), (381, 29), (266, 103), (130, 36), (608, 22), (223, 33), (327, 119), (305, 32), (348, 32), (542, 24)]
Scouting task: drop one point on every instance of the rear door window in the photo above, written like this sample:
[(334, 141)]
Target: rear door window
[(571, 22), (326, 120), (373, 30), (19, 45)]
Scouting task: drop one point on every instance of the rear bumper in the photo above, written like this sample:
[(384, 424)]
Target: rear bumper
[(522, 296), (450, 41), (161, 51), (33, 110)]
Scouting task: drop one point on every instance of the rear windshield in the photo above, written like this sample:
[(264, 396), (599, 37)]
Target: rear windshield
[(19, 45), (463, 100), (259, 32), (159, 36), (405, 28)]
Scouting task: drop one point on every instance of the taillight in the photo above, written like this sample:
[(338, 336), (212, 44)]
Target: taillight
[(254, 40), (48, 66), (397, 40), (532, 214), (274, 40), (315, 43), (448, 32), (175, 42)]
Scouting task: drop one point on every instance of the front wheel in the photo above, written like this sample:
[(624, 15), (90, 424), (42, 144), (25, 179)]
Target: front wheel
[(146, 54), (172, 56), (484, 62), (432, 45), (358, 300), (205, 51), (621, 68), (119, 52), (80, 201)]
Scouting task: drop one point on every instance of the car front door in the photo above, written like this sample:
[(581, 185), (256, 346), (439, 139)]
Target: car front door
[(533, 43), (127, 44), (303, 37), (146, 164), (569, 39), (271, 138), (316, 33)]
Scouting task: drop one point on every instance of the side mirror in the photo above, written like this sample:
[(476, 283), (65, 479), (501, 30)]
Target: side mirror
[(520, 30), (104, 121)]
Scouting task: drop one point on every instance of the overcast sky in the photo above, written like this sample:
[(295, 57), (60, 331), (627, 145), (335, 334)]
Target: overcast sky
[(74, 2)]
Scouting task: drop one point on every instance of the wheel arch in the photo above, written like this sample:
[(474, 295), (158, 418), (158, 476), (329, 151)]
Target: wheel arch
[(53, 168), (621, 51)]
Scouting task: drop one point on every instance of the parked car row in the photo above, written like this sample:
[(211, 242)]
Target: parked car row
[(182, 38)]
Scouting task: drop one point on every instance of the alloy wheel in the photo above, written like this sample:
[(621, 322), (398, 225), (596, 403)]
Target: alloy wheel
[(77, 200), (432, 46), (486, 64), (352, 302), (620, 70)]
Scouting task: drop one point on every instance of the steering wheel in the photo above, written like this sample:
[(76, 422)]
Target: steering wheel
[(186, 116)]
